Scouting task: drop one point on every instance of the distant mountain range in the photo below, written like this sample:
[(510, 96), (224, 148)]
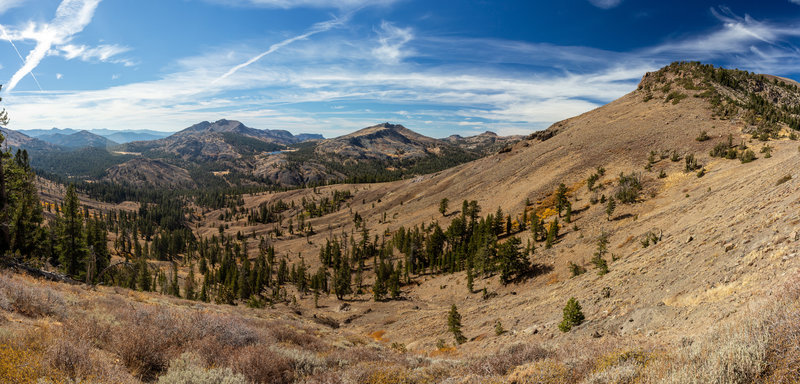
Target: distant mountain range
[(227, 152), (56, 135), (80, 139), (113, 135)]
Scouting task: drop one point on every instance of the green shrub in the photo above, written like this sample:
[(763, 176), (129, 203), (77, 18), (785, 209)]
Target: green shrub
[(498, 328), (747, 156), (691, 163), (573, 315), (675, 97), (576, 269), (628, 188)]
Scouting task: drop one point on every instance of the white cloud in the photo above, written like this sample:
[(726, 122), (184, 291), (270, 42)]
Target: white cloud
[(737, 35), (59, 76), (607, 4), (103, 52), (392, 39), (5, 5), (287, 4), (795, 2), (71, 17), (271, 88)]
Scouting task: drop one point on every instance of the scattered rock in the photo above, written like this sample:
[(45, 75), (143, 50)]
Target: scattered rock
[(794, 236), (729, 246), (597, 335), (344, 307), (530, 331), (689, 240)]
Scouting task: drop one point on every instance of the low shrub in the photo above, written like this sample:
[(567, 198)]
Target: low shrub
[(506, 360), (188, 369), (30, 300), (19, 365), (545, 371), (259, 364), (69, 357)]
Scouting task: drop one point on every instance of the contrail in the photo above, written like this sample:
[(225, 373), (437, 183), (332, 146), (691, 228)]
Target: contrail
[(72, 16), (317, 28), (22, 59)]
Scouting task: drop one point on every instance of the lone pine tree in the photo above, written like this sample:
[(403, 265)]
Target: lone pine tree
[(443, 206), (573, 315), (611, 205), (454, 325), (71, 246)]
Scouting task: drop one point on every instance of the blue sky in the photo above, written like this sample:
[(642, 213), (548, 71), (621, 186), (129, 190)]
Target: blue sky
[(331, 67)]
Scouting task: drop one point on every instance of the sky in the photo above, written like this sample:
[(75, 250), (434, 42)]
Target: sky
[(331, 67)]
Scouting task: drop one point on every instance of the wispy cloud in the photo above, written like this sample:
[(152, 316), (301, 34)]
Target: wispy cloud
[(71, 17), (505, 86), (606, 4), (736, 35), (392, 39), (5, 5), (317, 28), (103, 52), (287, 4)]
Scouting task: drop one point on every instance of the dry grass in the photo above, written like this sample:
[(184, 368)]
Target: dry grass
[(30, 300), (259, 364), (546, 371), (505, 361), (98, 340)]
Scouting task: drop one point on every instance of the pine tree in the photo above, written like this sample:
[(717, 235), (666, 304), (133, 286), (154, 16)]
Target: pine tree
[(71, 245), (97, 239), (498, 221), (536, 227), (512, 261), (454, 325), (443, 206), (394, 283), (470, 279), (552, 233), (143, 278), (174, 288), (342, 280), (602, 248), (610, 207), (189, 284), (573, 315), (379, 287), (561, 198), (244, 291), (24, 208), (5, 236)]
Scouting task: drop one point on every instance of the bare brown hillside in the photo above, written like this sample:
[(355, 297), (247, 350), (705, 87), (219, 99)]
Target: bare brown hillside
[(725, 237), (703, 262)]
